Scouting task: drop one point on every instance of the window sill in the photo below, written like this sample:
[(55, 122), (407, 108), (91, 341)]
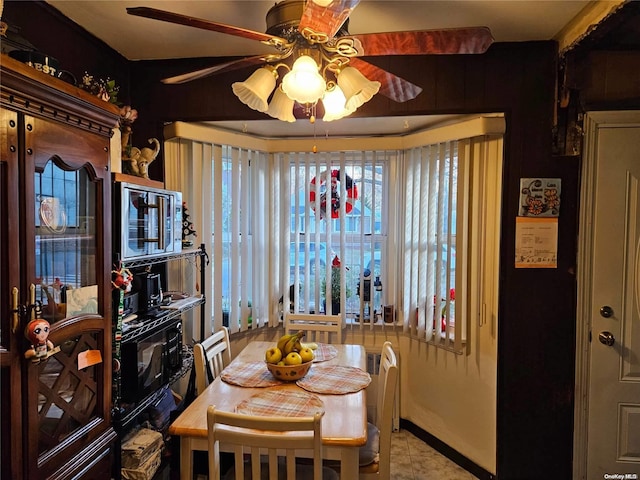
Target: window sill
[(376, 324)]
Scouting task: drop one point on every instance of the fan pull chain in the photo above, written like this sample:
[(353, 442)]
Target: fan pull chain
[(313, 121)]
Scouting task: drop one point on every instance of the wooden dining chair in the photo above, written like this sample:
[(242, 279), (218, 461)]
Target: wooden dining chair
[(375, 456), (317, 327), (262, 437), (210, 357)]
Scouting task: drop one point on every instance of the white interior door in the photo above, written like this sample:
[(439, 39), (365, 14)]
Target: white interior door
[(610, 300)]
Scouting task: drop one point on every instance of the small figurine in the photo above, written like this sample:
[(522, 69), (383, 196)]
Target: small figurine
[(140, 159), (187, 227), (37, 332), (121, 278)]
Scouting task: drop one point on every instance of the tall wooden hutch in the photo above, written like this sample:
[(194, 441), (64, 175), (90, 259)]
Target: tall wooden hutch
[(55, 256)]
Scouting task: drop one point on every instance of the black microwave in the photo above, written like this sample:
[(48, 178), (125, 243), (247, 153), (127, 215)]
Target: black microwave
[(149, 362), (148, 221)]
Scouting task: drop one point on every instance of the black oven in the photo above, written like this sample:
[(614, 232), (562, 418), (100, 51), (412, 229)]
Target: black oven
[(150, 361)]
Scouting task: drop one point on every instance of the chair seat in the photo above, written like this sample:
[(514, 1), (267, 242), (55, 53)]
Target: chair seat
[(369, 451), (303, 472), (368, 454), (370, 469)]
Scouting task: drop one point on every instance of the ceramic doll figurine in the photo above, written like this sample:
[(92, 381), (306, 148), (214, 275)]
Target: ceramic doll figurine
[(37, 332)]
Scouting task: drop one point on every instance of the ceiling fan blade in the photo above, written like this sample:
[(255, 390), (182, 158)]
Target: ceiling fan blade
[(392, 86), (222, 67), (179, 19), (425, 42), (326, 19)]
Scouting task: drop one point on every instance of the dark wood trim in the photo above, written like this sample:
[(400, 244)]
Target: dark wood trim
[(446, 450), (35, 93), (87, 458), (144, 182)]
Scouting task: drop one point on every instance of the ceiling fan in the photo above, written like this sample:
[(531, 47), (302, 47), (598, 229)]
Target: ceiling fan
[(299, 30)]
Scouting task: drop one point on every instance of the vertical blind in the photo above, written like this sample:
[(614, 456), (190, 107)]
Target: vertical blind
[(449, 249), (225, 189), (320, 245), (239, 241), (425, 222)]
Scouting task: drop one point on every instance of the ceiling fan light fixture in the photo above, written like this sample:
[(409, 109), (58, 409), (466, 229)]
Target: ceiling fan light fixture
[(357, 88), (255, 90), (319, 28), (334, 104), (281, 106), (303, 83)]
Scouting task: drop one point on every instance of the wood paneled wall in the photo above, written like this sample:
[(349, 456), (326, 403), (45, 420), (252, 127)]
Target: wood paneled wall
[(536, 334)]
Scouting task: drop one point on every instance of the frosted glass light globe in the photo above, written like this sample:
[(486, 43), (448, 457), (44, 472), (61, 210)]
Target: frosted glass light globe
[(334, 103), (303, 83)]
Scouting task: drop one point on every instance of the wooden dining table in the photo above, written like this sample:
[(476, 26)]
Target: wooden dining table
[(344, 424)]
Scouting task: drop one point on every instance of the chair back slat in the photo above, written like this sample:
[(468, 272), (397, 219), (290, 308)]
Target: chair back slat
[(260, 435), (317, 328), (210, 357)]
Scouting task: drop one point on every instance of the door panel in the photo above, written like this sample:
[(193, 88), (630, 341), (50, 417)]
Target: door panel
[(614, 371), (65, 399), (55, 249)]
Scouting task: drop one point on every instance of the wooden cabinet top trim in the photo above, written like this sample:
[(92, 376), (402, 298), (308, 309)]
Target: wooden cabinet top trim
[(35, 93)]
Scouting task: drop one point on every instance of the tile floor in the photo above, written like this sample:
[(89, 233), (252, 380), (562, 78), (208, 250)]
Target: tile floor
[(412, 459)]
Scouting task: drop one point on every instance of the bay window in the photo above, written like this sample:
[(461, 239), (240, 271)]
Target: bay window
[(408, 222)]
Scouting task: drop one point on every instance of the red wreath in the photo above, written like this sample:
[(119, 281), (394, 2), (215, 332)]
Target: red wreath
[(336, 176)]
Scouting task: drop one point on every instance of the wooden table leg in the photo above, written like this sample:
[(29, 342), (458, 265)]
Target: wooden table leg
[(349, 464), (186, 459)]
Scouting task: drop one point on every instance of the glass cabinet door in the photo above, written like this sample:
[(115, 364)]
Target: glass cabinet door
[(65, 242), (66, 388), (55, 251)]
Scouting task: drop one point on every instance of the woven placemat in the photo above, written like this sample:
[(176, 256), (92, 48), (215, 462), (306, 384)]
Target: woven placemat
[(324, 352), (251, 374), (281, 403), (334, 379)]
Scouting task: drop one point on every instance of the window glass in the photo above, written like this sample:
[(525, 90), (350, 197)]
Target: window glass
[(65, 242), (321, 238)]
